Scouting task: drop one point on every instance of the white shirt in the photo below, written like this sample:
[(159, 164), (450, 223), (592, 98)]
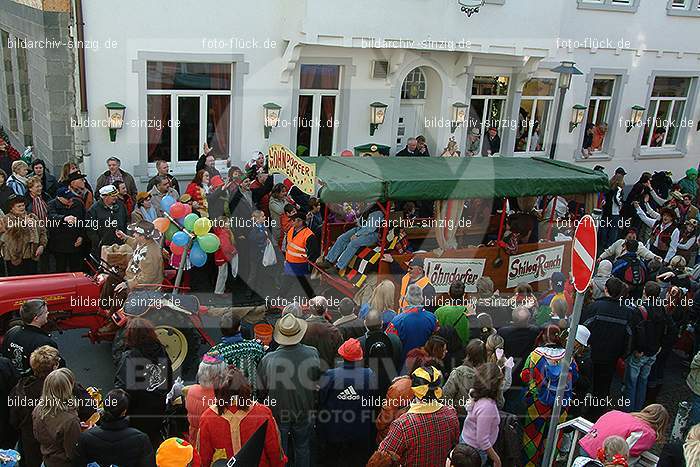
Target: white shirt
[(675, 236)]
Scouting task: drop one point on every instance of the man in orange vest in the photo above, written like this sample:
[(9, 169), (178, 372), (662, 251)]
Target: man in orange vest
[(300, 246), (416, 275)]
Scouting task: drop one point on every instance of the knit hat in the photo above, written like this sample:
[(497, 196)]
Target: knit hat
[(426, 383), (691, 172), (605, 268), (558, 280), (351, 350), (174, 452)]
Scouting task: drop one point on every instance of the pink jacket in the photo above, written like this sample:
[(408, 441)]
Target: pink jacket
[(643, 436)]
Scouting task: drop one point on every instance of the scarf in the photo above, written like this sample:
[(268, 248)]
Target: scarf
[(39, 208), (149, 214), (22, 179)]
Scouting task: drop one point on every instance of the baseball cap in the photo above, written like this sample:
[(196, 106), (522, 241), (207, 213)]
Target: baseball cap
[(558, 280)]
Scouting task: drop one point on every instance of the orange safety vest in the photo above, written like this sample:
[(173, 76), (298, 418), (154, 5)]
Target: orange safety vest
[(422, 282), (296, 245)]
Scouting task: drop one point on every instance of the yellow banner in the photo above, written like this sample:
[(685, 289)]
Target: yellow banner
[(281, 160)]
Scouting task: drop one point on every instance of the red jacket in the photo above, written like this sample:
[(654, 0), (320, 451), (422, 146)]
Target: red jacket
[(216, 432), (227, 250)]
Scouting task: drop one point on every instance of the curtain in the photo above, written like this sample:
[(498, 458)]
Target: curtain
[(220, 116), (328, 111), (158, 111)]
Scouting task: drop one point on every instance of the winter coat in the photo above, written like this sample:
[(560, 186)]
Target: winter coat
[(456, 389), (108, 220), (8, 379), (20, 237), (608, 322), (18, 186), (113, 442), (510, 433), (102, 180), (5, 194), (325, 338), (58, 436), (145, 265), (227, 250), (62, 236)]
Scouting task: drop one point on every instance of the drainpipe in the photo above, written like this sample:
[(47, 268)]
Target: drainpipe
[(81, 55)]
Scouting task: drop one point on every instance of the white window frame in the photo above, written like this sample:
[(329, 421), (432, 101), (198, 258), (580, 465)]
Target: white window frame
[(680, 148), (598, 100), (176, 164), (487, 101), (621, 78), (317, 94), (609, 5), (690, 8), (550, 119)]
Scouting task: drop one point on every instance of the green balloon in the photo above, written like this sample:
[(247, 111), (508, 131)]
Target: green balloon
[(209, 242), (170, 232), (190, 219)]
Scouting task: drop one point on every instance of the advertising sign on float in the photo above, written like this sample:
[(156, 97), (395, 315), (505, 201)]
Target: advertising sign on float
[(535, 266), (444, 271), (281, 160)]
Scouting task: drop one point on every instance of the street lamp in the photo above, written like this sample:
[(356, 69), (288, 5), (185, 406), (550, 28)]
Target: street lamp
[(115, 118), (272, 117), (459, 115), (377, 112), (566, 70), (635, 117), (576, 116)]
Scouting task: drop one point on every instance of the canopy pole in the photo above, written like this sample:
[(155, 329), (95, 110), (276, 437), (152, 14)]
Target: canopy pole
[(385, 230), (324, 231), (551, 218), (503, 221)]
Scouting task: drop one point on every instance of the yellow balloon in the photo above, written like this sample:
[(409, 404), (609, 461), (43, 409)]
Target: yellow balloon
[(202, 226)]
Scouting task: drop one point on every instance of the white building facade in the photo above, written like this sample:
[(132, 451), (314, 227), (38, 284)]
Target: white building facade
[(209, 67)]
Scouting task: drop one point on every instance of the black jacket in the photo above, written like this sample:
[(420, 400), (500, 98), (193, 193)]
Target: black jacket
[(20, 342), (241, 210), (5, 193), (147, 375), (62, 237), (609, 323), (648, 337), (8, 380), (108, 220), (113, 442), (405, 153), (519, 342)]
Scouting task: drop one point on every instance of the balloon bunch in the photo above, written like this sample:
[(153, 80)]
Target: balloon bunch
[(190, 223)]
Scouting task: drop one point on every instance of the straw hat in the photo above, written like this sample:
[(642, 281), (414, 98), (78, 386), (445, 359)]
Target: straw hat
[(289, 330)]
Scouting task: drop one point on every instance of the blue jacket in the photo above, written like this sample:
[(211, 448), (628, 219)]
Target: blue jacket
[(347, 399), (413, 326)]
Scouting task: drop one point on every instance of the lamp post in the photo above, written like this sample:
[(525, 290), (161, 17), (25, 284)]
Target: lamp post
[(115, 118), (377, 112), (576, 116), (566, 70), (272, 117), (459, 115), (636, 116)]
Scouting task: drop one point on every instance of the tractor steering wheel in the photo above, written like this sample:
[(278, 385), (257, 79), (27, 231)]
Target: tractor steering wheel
[(102, 266)]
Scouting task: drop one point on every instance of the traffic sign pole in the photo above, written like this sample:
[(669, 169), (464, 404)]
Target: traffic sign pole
[(583, 252), (563, 378)]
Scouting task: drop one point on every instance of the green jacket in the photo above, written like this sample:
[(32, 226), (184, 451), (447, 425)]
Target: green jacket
[(693, 379), (688, 186)]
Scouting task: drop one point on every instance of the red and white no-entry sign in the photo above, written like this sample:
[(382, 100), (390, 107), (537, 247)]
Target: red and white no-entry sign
[(583, 253)]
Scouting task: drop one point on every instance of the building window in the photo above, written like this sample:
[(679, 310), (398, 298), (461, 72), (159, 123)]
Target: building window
[(319, 93), (414, 87), (610, 5), (599, 113), (9, 80), (666, 112), (533, 122), (683, 7), (188, 104), (487, 107)]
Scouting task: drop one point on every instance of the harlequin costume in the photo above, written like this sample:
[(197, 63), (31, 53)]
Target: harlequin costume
[(538, 415)]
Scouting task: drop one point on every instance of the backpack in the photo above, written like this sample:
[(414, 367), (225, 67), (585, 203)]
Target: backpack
[(645, 330), (634, 273), (547, 390)]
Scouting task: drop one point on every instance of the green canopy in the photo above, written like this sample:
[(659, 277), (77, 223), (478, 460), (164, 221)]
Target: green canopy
[(433, 178)]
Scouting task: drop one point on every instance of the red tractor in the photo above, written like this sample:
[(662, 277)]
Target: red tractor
[(74, 303)]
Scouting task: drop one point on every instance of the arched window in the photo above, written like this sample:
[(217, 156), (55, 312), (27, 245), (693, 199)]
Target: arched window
[(414, 85)]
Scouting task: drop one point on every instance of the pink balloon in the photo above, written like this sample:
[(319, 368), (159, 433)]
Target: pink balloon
[(188, 209)]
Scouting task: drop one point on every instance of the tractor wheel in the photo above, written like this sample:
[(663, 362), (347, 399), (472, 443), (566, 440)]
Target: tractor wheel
[(177, 335)]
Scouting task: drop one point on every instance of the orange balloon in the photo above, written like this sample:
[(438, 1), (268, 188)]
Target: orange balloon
[(161, 224)]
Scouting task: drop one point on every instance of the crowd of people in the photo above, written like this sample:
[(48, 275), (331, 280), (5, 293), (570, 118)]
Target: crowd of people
[(402, 377)]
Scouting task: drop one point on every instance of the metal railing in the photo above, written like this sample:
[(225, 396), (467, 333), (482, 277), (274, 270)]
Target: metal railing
[(579, 426)]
